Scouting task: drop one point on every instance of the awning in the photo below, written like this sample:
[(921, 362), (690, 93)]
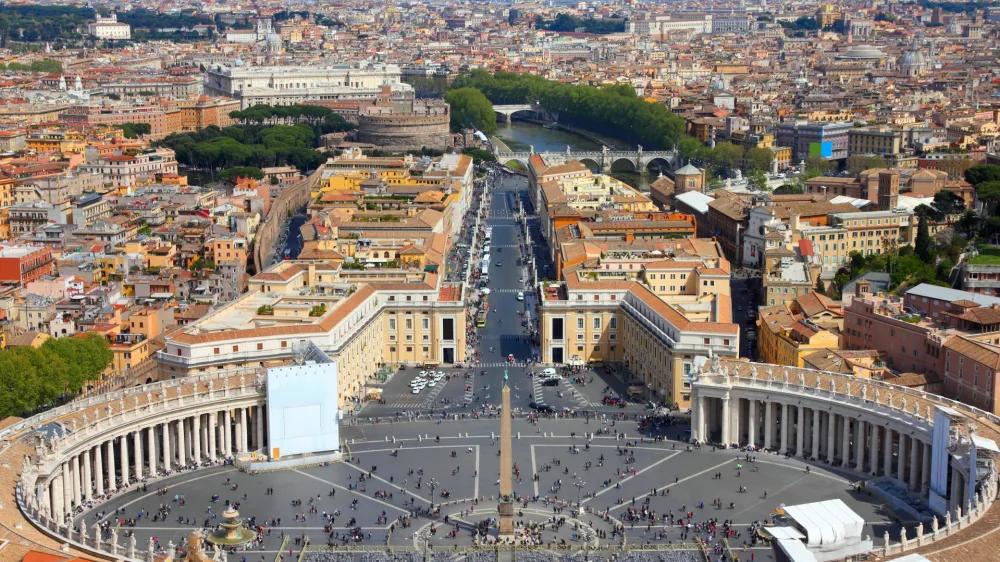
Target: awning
[(431, 268), (375, 392)]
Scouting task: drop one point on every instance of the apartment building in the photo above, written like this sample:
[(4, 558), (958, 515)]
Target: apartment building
[(361, 325), (881, 141), (162, 118), (128, 170), (613, 315), (20, 265)]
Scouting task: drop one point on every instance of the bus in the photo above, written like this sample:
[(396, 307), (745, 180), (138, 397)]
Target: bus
[(481, 318)]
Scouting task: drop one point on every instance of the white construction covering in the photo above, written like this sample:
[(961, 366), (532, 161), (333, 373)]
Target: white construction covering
[(912, 558), (826, 522), (796, 551), (985, 443), (785, 533)]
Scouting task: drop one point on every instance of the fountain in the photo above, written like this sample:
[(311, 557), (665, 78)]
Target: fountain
[(231, 531)]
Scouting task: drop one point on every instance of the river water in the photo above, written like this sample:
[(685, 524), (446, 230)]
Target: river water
[(521, 136)]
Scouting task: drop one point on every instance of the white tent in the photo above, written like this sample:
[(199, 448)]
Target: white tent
[(826, 522)]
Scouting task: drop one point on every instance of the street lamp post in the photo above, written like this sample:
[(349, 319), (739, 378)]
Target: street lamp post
[(579, 487)]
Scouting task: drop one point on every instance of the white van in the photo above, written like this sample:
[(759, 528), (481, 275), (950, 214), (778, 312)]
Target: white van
[(550, 373)]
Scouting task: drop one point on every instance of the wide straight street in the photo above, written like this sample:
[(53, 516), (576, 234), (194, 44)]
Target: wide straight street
[(506, 343)]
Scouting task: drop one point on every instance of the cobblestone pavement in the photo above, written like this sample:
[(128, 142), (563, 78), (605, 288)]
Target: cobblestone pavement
[(463, 487)]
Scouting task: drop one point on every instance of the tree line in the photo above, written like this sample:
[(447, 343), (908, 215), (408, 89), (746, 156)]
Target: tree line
[(34, 22), (614, 110), (258, 145), (47, 66), (33, 379), (569, 22)]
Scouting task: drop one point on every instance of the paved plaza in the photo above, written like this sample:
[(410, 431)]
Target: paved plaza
[(407, 478)]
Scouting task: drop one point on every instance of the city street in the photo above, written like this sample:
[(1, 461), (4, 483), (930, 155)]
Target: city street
[(506, 333)]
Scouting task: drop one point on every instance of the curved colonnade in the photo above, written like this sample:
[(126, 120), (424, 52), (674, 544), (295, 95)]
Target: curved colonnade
[(82, 453), (920, 443), (75, 455)]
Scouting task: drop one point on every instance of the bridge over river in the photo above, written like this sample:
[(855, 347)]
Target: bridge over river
[(603, 160)]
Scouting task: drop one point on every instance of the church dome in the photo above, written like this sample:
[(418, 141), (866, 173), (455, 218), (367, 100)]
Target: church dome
[(914, 58)]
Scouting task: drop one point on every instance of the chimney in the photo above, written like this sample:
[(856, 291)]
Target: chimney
[(793, 222)]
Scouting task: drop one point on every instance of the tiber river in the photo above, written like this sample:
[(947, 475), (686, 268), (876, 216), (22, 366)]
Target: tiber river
[(520, 135)]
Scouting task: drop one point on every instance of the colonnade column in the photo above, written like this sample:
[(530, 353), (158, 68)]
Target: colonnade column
[(752, 426), (914, 464), (698, 422), (137, 441), (151, 450), (800, 432), (725, 422), (74, 467), (258, 418), (196, 437), (87, 477), (123, 458), (181, 448), (859, 446), (816, 416), (241, 430), (784, 429), (67, 490), (845, 441), (768, 423), (887, 452), (99, 470), (874, 451), (167, 458), (925, 469), (901, 459), (212, 434), (58, 498), (831, 437), (227, 434)]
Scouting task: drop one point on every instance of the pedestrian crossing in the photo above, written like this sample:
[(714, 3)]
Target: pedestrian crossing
[(505, 291), (495, 364), (536, 391)]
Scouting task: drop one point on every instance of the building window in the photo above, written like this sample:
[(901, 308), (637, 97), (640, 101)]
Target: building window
[(392, 323), (284, 344), (597, 323), (708, 341), (579, 323), (236, 348), (216, 351)]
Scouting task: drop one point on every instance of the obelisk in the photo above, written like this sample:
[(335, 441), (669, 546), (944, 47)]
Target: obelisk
[(506, 507)]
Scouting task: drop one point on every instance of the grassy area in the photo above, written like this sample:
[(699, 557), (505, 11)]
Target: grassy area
[(988, 255)]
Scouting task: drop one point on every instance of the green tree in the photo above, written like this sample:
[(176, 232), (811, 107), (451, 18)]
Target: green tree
[(948, 203), (689, 148), (989, 193), (469, 107), (820, 286), (968, 222), (816, 167), (924, 245), (759, 158), (726, 157), (982, 173), (135, 130), (756, 180), (231, 174)]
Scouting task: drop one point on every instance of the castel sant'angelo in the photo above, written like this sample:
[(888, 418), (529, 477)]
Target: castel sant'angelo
[(400, 122)]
